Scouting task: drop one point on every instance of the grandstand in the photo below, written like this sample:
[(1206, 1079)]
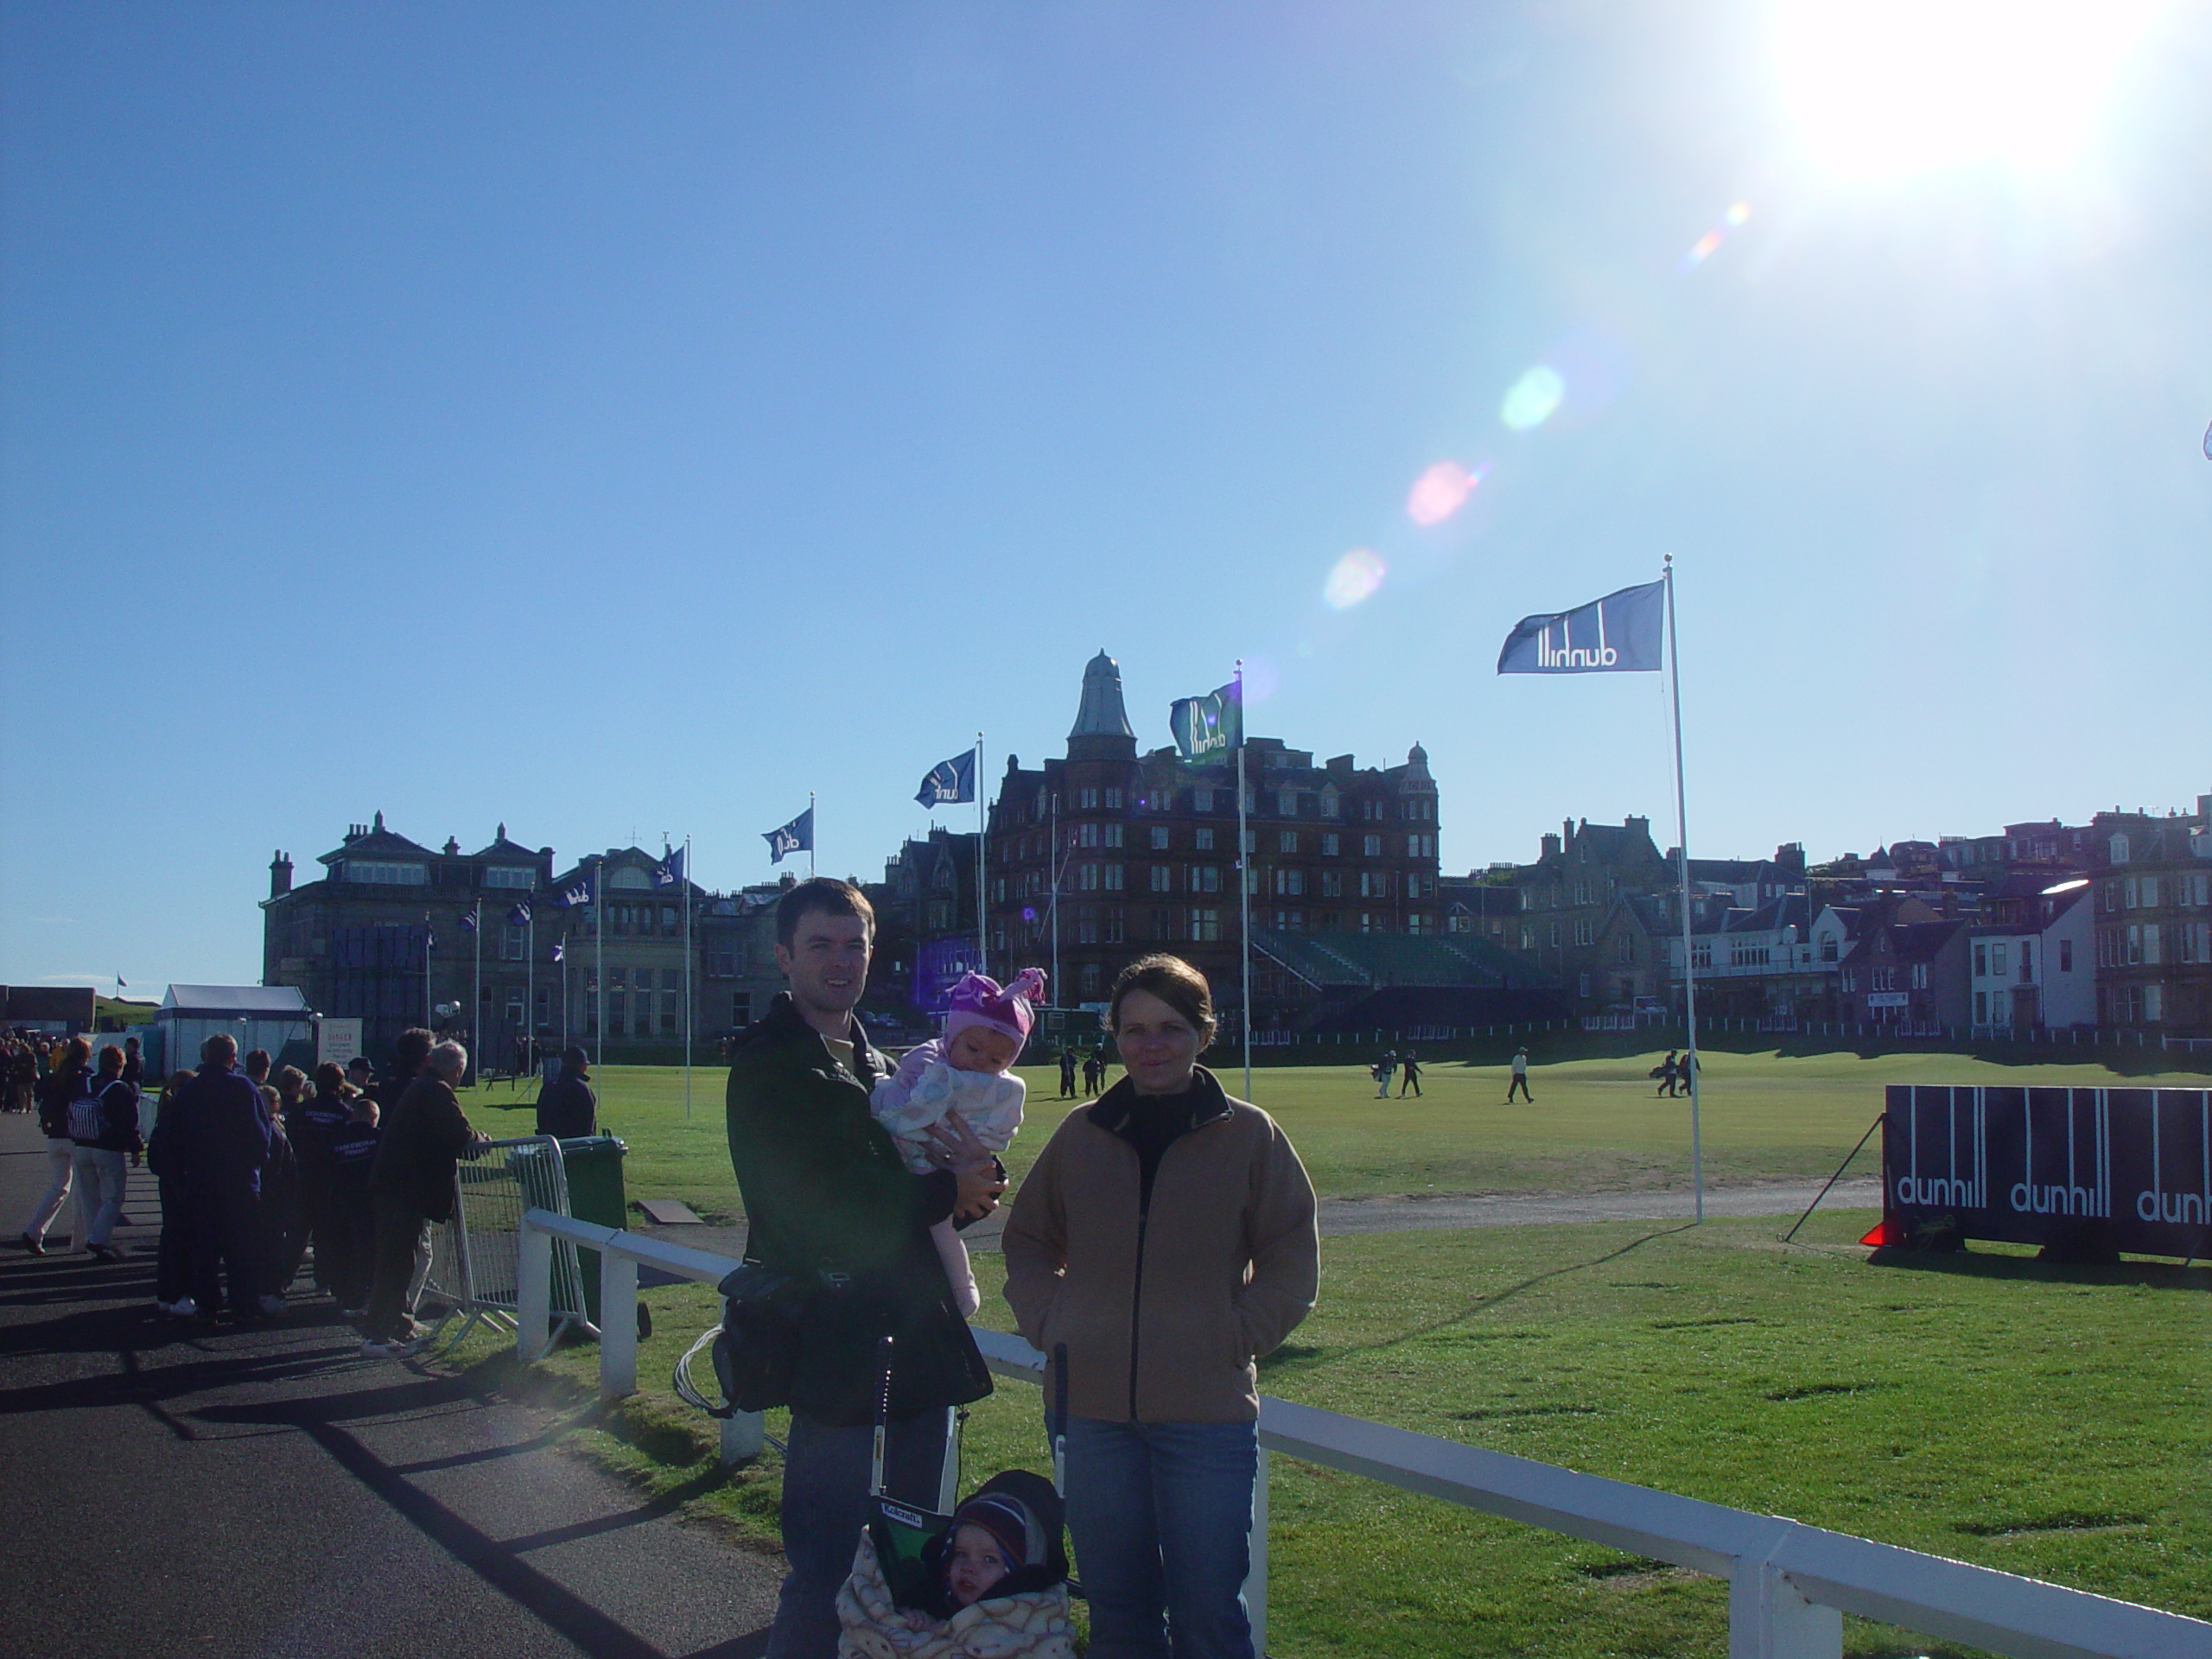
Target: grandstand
[(1391, 982)]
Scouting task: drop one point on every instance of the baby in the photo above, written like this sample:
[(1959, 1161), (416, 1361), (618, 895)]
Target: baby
[(993, 1533), (964, 1072)]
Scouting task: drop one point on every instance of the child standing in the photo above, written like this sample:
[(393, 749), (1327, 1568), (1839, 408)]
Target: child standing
[(964, 1072), (350, 1219)]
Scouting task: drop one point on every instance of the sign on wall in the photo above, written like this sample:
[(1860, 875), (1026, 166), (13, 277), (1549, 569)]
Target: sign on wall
[(337, 1041), (2128, 1168)]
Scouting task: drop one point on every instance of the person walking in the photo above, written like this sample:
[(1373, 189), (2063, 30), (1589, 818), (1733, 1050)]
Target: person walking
[(1520, 1077), (566, 1107), (134, 1063), (57, 1091), (1666, 1075), (1384, 1068), (1067, 1072), (1409, 1074), (830, 1202), (1164, 1240), (102, 1132)]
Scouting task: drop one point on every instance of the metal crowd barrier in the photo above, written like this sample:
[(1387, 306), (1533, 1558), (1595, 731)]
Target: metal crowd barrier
[(1789, 1585), (475, 1260)]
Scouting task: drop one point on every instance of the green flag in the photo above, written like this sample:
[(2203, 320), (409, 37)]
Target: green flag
[(1207, 725)]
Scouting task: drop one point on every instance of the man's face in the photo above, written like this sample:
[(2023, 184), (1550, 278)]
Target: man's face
[(826, 962)]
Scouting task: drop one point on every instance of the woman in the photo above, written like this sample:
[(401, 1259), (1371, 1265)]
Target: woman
[(102, 1135), (566, 1107), (1166, 1237), (58, 1089)]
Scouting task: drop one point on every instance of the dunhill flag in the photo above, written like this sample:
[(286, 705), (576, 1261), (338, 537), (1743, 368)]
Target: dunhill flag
[(1619, 634), (579, 890), (950, 781), (1211, 725), (797, 837), (468, 921), (520, 914), (559, 949), (669, 872)]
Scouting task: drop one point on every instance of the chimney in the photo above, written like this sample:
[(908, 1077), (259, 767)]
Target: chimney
[(280, 876), (1551, 847)]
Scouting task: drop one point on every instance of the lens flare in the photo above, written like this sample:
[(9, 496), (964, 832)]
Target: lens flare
[(1442, 490), (1702, 250), (1535, 399), (1355, 576)]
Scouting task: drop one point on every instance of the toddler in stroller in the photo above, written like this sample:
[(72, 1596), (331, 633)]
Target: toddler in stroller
[(990, 1583)]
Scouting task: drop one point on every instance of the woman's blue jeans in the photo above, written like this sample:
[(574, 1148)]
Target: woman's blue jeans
[(1161, 1516)]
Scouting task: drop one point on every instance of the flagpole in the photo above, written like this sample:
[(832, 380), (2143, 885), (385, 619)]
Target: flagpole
[(813, 833), (1056, 903), (564, 948), (530, 987), (599, 971), (982, 918), (429, 943), (476, 1009), (1243, 880), (687, 979), (1682, 841)]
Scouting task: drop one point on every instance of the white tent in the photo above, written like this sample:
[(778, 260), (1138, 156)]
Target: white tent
[(259, 1016)]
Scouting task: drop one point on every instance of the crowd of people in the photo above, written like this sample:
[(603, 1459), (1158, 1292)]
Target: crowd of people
[(266, 1178)]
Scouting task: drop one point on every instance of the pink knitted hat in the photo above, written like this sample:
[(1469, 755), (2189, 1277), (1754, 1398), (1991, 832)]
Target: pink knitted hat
[(977, 1000)]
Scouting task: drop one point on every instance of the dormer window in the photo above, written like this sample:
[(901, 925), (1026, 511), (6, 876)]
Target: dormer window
[(506, 875), (384, 875), (2119, 849)]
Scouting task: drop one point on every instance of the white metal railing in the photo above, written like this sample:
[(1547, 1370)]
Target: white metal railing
[(1789, 1585)]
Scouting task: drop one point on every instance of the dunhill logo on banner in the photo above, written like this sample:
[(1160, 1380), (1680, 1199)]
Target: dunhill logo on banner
[(1570, 655), (2154, 1202), (2069, 1196)]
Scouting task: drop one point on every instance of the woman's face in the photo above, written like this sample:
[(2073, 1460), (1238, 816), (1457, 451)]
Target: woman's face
[(1159, 1045)]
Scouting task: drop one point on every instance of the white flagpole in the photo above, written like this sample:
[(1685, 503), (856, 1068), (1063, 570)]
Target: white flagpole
[(982, 917), (1243, 880), (476, 1009), (429, 943), (564, 989), (687, 979), (528, 1055), (813, 833), (599, 934), (1057, 859), (1683, 842)]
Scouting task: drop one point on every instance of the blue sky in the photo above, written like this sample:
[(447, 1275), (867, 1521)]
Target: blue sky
[(612, 419)]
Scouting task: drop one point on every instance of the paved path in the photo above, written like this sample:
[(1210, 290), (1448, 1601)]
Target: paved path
[(1341, 1216), (267, 1492)]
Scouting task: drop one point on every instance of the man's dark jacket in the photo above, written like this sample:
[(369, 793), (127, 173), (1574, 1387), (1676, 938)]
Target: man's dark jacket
[(566, 1107), (419, 1139), (214, 1133), (825, 1192)]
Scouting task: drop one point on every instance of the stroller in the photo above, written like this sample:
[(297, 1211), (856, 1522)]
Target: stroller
[(895, 1604)]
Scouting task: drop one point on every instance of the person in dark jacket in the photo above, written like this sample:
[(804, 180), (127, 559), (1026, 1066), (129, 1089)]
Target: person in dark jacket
[(422, 1139), (98, 1157), (173, 1253), (345, 1236), (566, 1106), (829, 1201), (407, 1056), (312, 1121), (56, 1089), (221, 1146), (134, 1063)]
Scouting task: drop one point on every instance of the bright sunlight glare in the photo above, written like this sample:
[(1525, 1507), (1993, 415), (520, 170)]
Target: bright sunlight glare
[(1885, 88)]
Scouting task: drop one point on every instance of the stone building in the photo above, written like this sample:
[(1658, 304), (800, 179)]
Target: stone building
[(2152, 879), (1137, 852)]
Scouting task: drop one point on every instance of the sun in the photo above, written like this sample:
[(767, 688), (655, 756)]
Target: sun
[(1885, 88)]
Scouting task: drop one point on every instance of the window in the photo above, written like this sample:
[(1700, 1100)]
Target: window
[(544, 1006), (1376, 884), (1329, 844), (1996, 959), (1981, 1007), (1582, 985), (1158, 838), (2118, 848), (1202, 838), (504, 876), (1113, 797), (390, 875), (1163, 878), (1086, 925), (1087, 800), (514, 943), (1086, 878), (1333, 805), (1090, 979), (1286, 803), (617, 1018), (2127, 892), (1086, 834), (1205, 927), (1919, 975), (1849, 980), (1332, 884), (1582, 936), (1882, 979), (1371, 846), (2154, 1004), (1287, 841), (1201, 801), (1625, 948), (1114, 877), (1554, 936), (1828, 949), (2066, 956), (2150, 942), (1114, 925), (1372, 811), (1206, 878), (1290, 884), (1113, 834), (1529, 935), (1413, 849), (1251, 841)]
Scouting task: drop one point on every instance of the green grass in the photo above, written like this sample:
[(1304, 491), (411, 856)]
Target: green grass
[(2054, 1421), (2051, 1421), (1595, 1125)]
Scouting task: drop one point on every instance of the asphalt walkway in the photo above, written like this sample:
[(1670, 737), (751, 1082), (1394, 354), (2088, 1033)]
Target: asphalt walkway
[(264, 1491)]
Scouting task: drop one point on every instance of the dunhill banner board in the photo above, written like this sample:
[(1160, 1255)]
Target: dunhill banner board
[(2129, 1169)]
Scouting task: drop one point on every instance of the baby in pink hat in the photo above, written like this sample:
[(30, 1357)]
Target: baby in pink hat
[(966, 1072)]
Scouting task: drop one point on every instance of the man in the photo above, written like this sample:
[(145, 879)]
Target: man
[(257, 1073), (1520, 1077), (361, 1074), (134, 1063), (220, 1148), (566, 1107), (1067, 1072), (410, 1186), (406, 1060), (828, 1200), (1384, 1068), (1409, 1071)]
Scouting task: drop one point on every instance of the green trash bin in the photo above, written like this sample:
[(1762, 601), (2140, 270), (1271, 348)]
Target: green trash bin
[(593, 1164)]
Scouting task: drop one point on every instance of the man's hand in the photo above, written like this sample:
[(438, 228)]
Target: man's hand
[(955, 1146)]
